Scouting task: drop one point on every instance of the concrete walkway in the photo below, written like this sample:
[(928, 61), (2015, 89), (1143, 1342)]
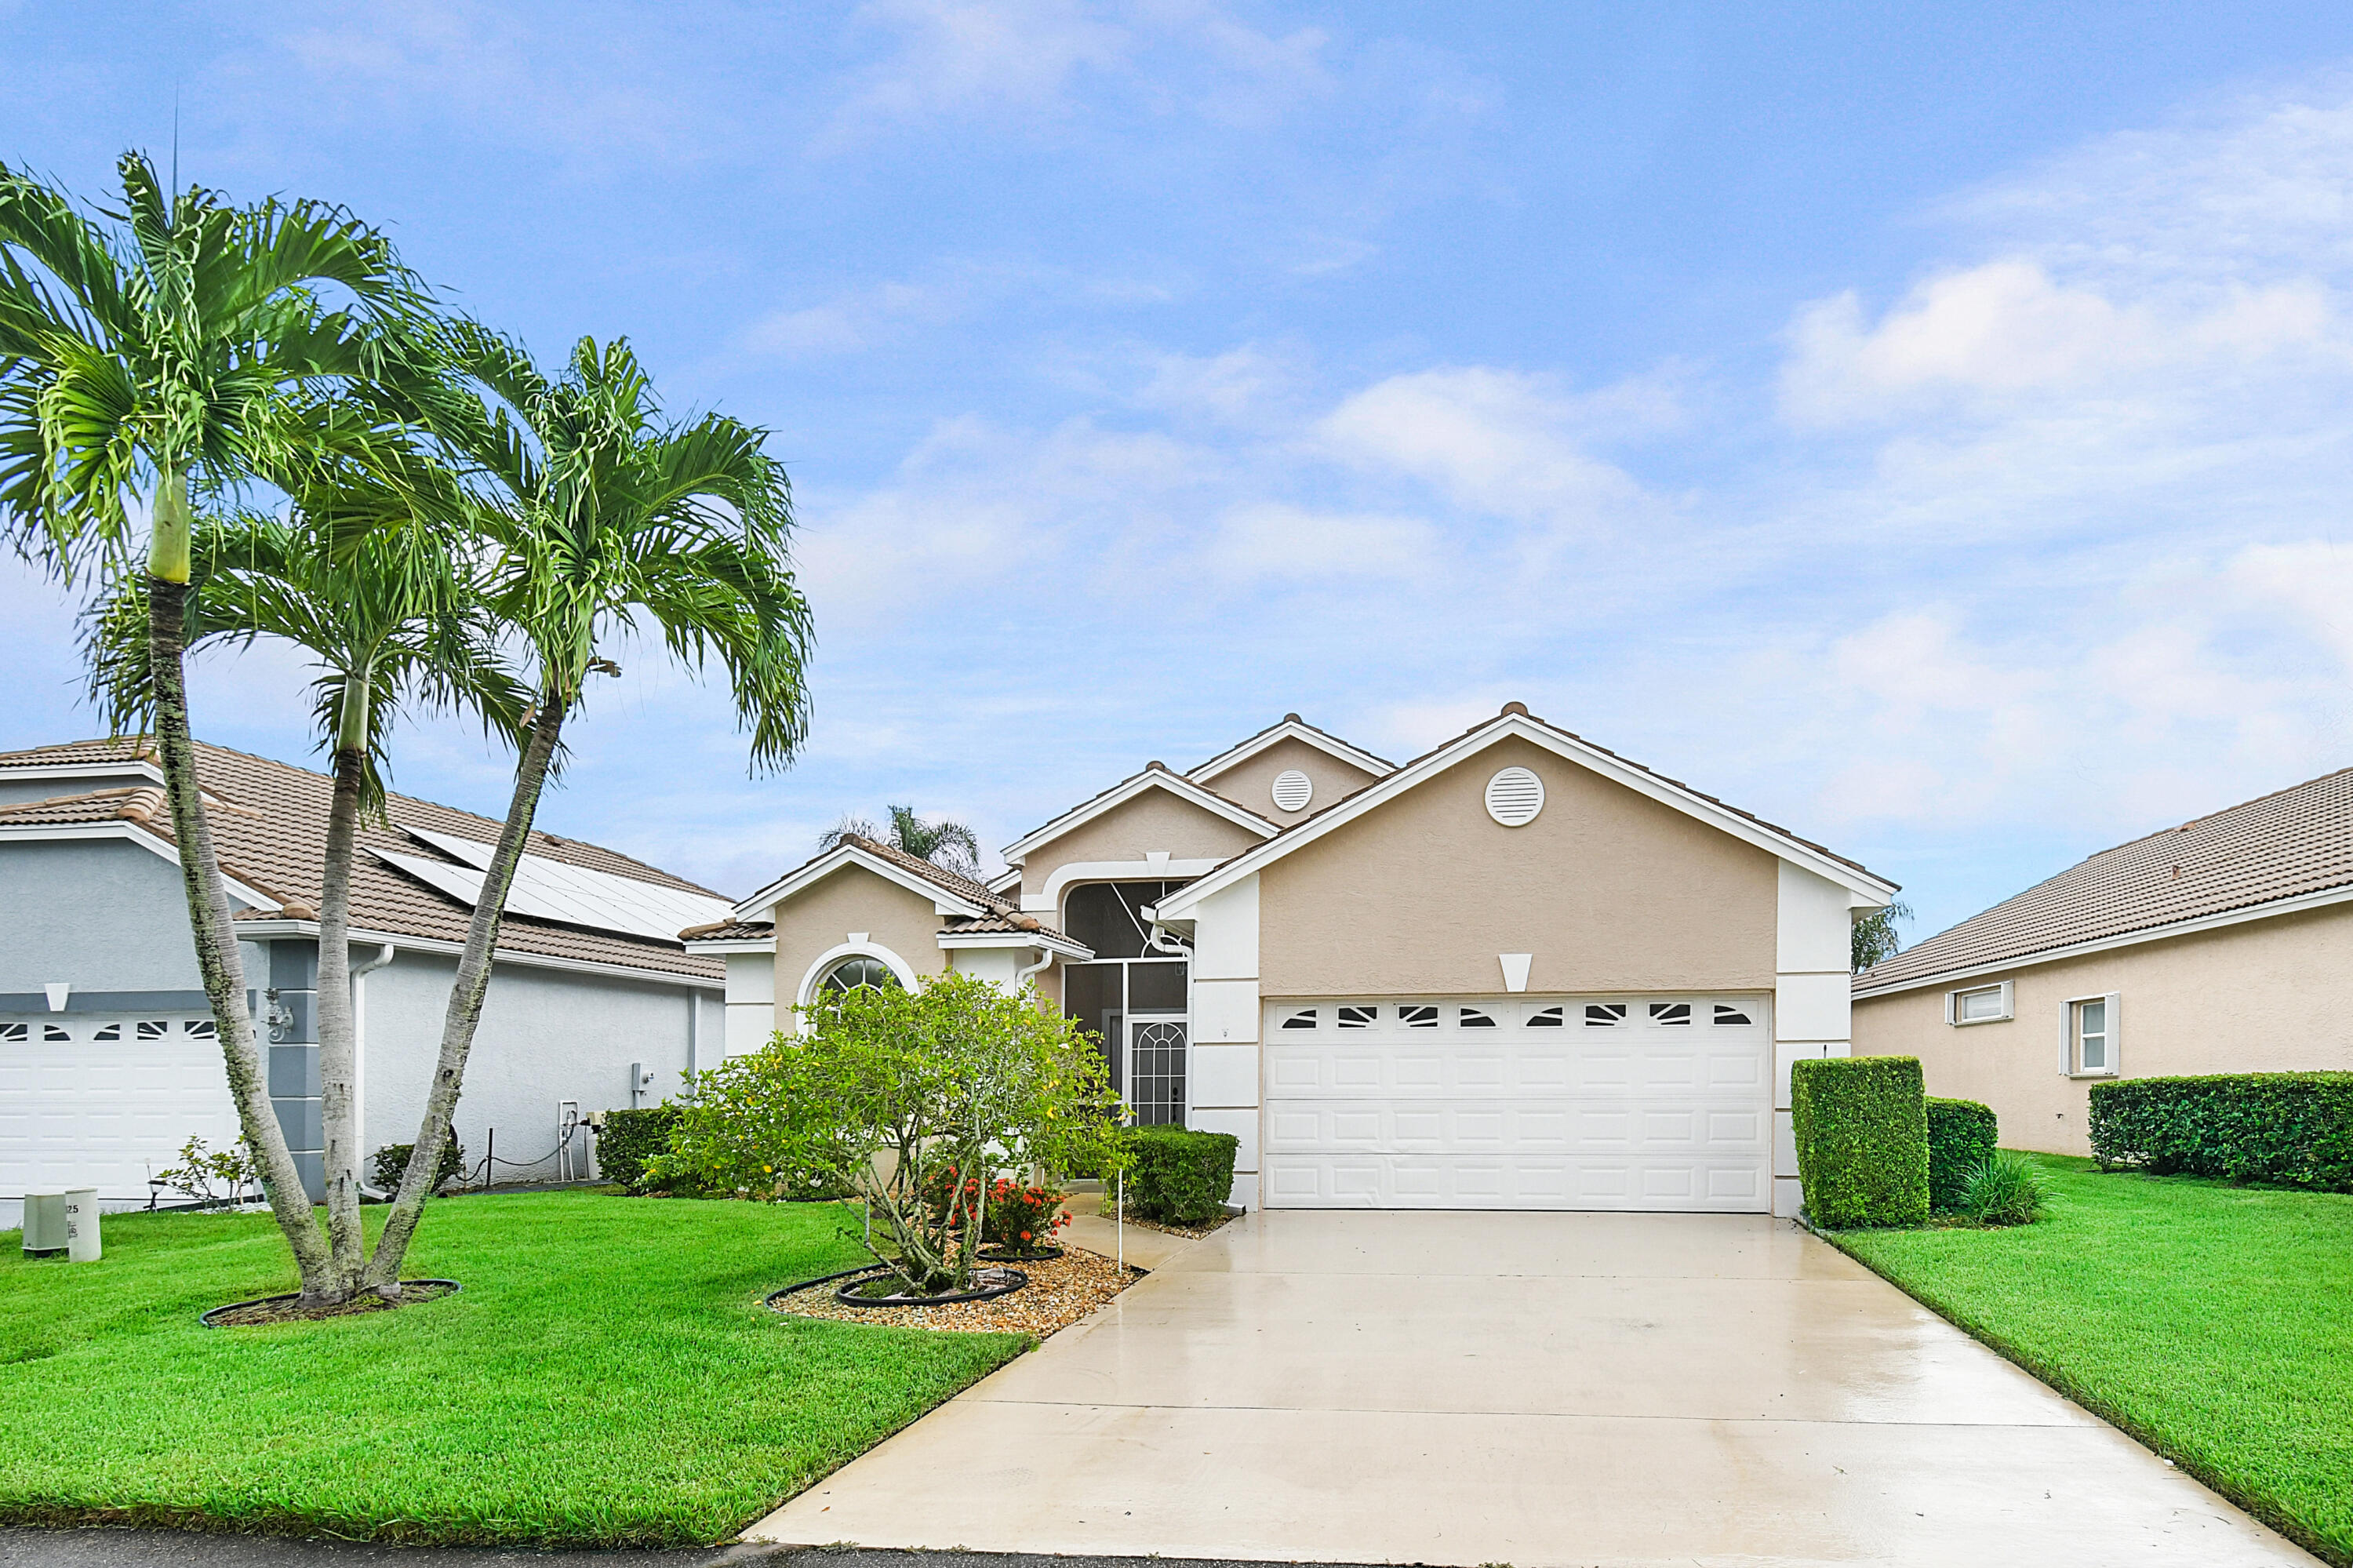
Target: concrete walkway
[(1529, 1388)]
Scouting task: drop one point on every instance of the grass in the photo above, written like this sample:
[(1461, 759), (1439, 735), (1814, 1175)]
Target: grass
[(609, 1376), (2212, 1322)]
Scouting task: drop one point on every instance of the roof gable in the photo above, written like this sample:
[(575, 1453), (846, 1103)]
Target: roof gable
[(949, 892), (1292, 728), (1515, 721), (1155, 776)]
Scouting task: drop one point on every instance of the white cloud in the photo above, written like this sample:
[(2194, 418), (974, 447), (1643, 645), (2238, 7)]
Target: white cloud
[(1496, 441), (854, 320), (1271, 539)]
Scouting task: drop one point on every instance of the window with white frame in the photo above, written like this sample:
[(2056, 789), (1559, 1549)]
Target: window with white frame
[(2091, 1030), (1979, 1005)]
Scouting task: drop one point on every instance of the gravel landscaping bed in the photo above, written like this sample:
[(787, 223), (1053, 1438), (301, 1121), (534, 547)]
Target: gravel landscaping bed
[(1196, 1232), (1061, 1291)]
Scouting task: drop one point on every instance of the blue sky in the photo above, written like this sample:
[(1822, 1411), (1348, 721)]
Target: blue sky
[(1927, 427)]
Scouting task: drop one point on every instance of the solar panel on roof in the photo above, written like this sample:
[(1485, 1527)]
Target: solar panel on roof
[(547, 889)]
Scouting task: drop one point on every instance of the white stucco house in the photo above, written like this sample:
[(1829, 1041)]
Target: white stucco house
[(1516, 972), (108, 1060)]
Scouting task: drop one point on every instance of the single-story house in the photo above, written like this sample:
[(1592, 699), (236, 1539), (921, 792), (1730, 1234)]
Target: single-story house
[(108, 1061), (2219, 946), (1517, 972)]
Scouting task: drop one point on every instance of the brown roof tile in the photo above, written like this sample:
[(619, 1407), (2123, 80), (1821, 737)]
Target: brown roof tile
[(2283, 846), (270, 825), (730, 931)]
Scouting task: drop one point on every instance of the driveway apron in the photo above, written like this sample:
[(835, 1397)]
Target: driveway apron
[(1522, 1389)]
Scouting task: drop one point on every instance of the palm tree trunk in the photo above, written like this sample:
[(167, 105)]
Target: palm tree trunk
[(218, 958), (465, 1013), (338, 1035)]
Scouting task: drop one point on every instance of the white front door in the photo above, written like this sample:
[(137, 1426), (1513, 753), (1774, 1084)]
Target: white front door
[(92, 1100), (1515, 1102)]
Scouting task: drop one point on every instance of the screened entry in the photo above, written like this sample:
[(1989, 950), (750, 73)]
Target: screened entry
[(1131, 998)]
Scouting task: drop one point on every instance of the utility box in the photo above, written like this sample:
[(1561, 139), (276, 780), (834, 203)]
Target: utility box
[(81, 1224), (45, 1224)]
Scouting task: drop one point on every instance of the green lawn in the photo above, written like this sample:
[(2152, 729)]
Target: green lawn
[(608, 1376), (2214, 1323)]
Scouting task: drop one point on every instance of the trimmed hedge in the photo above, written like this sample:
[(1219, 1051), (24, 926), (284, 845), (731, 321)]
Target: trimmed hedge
[(2293, 1128), (1961, 1141), (1177, 1176), (630, 1138), (391, 1162), (1862, 1126)]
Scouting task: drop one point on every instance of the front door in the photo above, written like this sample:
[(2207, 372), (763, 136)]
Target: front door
[(1155, 1079)]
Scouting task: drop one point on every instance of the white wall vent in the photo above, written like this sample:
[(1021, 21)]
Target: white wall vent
[(1514, 796), (1294, 790)]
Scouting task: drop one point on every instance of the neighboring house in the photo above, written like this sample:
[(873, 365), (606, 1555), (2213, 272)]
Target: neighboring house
[(2220, 946), (108, 1062), (1519, 972)]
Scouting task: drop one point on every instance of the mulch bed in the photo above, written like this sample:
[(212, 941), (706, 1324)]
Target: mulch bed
[(1196, 1232), (1061, 1291), (289, 1309)]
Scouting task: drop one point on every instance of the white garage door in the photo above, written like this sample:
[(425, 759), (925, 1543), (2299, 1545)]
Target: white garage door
[(88, 1100), (1520, 1103)]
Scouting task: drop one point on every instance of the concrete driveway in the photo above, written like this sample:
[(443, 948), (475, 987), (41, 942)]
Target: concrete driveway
[(1528, 1389)]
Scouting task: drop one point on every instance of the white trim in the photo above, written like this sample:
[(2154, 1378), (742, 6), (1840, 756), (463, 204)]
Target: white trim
[(1119, 794), (1010, 878), (2239, 916), (1507, 725), (1046, 941), (2008, 1012), (943, 901), (130, 767), (1049, 901), (732, 945), (57, 833), (265, 930), (1291, 729), (832, 956)]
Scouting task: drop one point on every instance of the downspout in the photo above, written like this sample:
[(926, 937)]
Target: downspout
[(1021, 975), (359, 1054)]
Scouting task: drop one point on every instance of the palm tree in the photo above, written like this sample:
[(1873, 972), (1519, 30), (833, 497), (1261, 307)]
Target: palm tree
[(389, 619), (149, 357), (604, 516), (945, 843)]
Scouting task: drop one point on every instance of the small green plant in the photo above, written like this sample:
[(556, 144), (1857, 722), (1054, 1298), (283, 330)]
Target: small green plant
[(630, 1138), (2007, 1190), (215, 1177), (1176, 1176), (1962, 1136), (389, 1162)]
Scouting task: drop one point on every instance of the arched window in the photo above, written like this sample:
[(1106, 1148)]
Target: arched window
[(858, 970)]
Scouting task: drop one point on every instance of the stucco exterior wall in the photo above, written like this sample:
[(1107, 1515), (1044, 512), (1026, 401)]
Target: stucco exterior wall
[(2265, 996), (545, 1035), (1153, 820), (1251, 782), (1608, 889), (822, 915), (99, 914)]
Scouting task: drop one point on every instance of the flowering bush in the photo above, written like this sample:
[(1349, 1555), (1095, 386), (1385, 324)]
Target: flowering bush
[(1021, 1217), (889, 1096)]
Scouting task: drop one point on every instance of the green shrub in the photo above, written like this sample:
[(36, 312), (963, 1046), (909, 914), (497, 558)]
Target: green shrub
[(2294, 1129), (630, 1138), (1176, 1176), (1961, 1138), (391, 1159), (1862, 1125), (2006, 1189)]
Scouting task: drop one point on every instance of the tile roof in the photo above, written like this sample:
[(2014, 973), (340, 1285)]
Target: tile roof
[(1521, 709), (1285, 722), (1177, 782), (2283, 846), (964, 923), (730, 931), (940, 877), (269, 826)]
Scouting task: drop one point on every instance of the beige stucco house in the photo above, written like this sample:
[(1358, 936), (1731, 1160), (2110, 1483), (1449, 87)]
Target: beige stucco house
[(1519, 972), (2219, 946)]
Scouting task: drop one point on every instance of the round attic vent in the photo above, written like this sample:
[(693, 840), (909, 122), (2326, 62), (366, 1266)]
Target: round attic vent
[(1294, 790), (1514, 796)]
